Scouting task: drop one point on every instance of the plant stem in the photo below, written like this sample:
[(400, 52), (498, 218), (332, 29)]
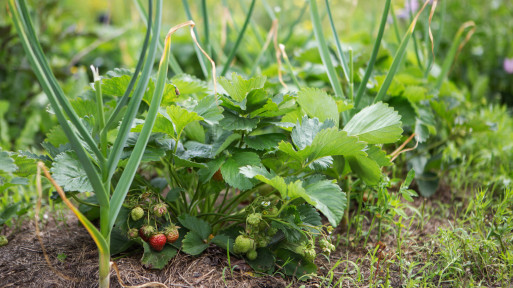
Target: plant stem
[(104, 269)]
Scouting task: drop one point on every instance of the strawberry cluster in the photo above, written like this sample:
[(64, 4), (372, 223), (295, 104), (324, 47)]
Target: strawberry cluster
[(147, 209), (259, 232)]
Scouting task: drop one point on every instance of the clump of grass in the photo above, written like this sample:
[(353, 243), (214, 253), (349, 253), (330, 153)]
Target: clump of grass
[(477, 250)]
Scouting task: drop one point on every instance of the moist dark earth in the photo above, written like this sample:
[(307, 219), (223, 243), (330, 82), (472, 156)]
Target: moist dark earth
[(74, 258)]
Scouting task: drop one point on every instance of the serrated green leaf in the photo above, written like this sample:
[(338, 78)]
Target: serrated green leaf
[(304, 133), (7, 163), (365, 168), (181, 117), (188, 85), (277, 106), (119, 242), (194, 224), (231, 173), (223, 142), (328, 142), (256, 99), (157, 260), (116, 86), (309, 215), (376, 124), (162, 125), (416, 94), (264, 141), (193, 244), (84, 107), (317, 103), (206, 174), (343, 105), (56, 136), (238, 87), (329, 199), (195, 132), (208, 108), (223, 241), (237, 123), (26, 166), (69, 174), (377, 154)]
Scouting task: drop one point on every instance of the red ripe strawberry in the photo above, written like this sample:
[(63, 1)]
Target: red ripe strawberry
[(218, 176), (157, 241)]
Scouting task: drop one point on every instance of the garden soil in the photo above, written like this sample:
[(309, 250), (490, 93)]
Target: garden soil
[(74, 259)]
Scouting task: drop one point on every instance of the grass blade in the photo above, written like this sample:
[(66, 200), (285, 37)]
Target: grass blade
[(375, 50), (137, 96), (324, 51), (239, 39), (341, 56), (398, 56)]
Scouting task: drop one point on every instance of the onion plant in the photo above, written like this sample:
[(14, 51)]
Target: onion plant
[(97, 159)]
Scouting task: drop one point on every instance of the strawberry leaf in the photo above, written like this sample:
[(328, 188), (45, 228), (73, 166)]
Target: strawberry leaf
[(365, 168), (376, 124), (193, 243), (238, 87), (194, 224), (328, 198), (69, 174), (317, 103), (157, 260), (231, 173)]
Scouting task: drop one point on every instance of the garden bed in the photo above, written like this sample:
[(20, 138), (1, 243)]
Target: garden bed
[(73, 253)]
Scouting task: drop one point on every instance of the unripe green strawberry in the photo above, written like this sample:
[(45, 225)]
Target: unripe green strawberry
[(243, 244), (171, 233), (157, 241), (133, 233), (146, 231), (160, 209), (263, 241), (254, 219), (252, 255), (137, 213), (300, 249), (310, 254)]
